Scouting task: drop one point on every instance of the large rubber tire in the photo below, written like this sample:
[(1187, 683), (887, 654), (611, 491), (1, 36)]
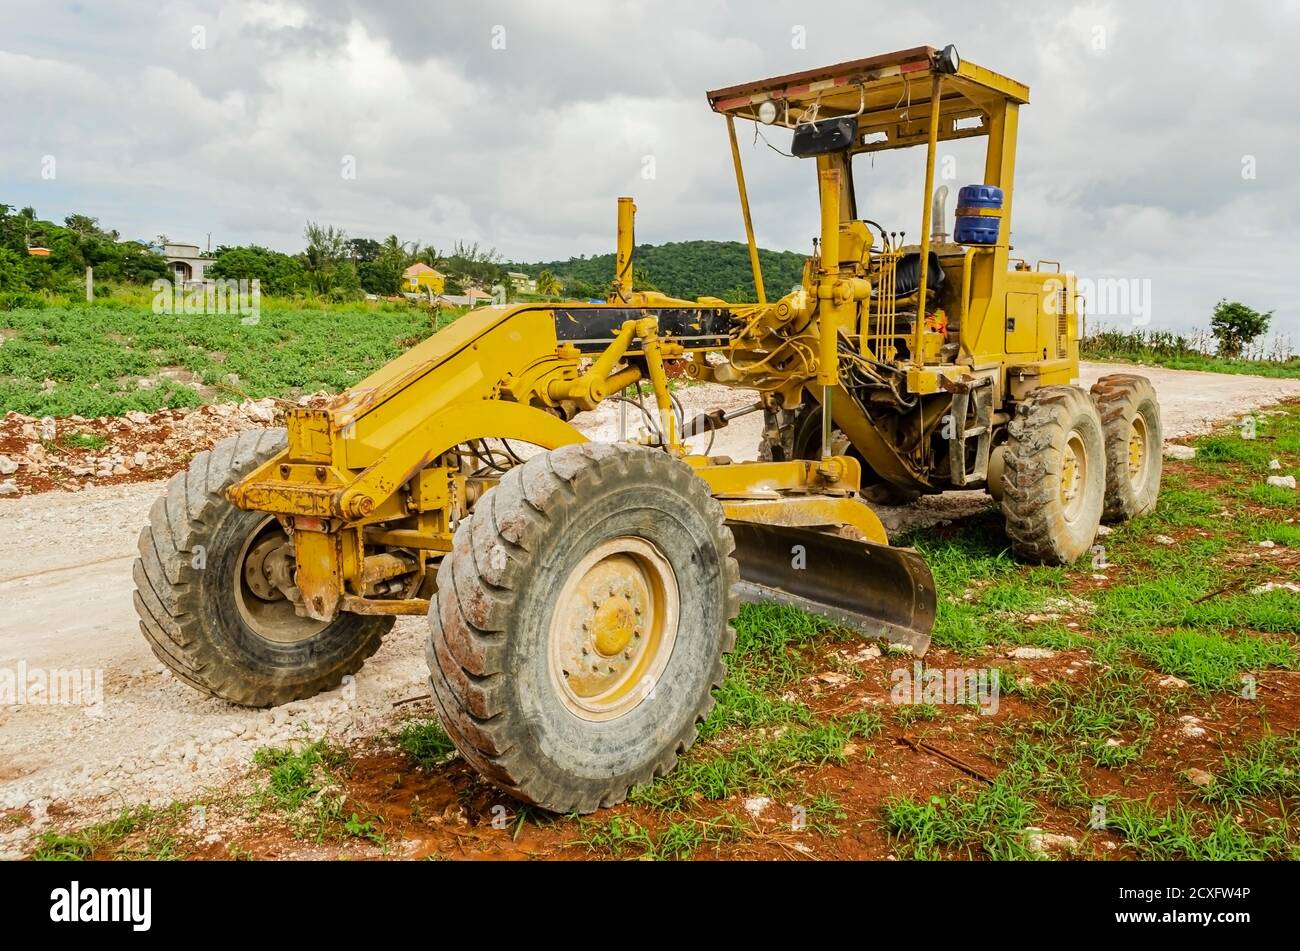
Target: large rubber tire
[(186, 595), (1130, 421), (490, 649), (1042, 525)]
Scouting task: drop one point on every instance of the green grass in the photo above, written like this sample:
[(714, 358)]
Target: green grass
[(306, 781), (624, 837), (156, 827), (1107, 718), (910, 713), (987, 820), (297, 774), (426, 744), (1186, 834), (1268, 767), (1231, 447), (768, 657), (96, 354), (1280, 533), (83, 441), (764, 765), (1212, 661)]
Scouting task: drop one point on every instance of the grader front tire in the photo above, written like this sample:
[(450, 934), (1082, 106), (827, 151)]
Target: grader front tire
[(1130, 420), (216, 625), (581, 622), (1054, 476)]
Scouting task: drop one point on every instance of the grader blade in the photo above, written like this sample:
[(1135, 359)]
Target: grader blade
[(881, 591)]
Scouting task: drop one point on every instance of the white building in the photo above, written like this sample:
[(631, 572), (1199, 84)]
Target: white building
[(186, 263)]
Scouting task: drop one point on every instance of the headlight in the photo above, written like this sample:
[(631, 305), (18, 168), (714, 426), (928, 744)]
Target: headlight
[(767, 112), (947, 61)]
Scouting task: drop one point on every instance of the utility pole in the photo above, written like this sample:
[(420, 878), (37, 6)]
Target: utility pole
[(90, 284)]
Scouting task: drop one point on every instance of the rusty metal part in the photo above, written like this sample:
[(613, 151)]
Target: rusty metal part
[(415, 606), (381, 567), (264, 567), (260, 572), (923, 746)]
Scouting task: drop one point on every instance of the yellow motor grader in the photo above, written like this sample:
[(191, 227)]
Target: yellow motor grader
[(579, 595)]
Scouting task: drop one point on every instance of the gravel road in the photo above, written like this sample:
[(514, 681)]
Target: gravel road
[(65, 605)]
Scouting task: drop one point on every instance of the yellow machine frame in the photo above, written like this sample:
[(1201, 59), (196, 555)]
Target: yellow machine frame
[(371, 487)]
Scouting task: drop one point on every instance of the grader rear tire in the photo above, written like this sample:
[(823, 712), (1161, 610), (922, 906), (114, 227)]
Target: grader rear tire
[(1130, 420), (1054, 480), (214, 623), (581, 622)]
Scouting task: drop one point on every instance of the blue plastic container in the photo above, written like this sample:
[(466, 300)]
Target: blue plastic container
[(978, 229)]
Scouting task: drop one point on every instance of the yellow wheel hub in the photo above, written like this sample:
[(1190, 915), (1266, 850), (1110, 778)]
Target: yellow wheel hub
[(1137, 451), (1074, 476), (613, 626), (613, 629)]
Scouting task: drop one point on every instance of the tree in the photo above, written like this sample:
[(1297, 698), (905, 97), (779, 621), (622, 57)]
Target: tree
[(276, 273), (12, 273), (547, 285), (1235, 325), (364, 249), (327, 248), (383, 275), (469, 265), (428, 255)]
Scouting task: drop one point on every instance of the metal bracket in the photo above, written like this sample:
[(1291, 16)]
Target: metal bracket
[(981, 390)]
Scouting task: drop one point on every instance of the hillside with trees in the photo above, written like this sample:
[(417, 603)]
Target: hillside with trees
[(43, 257), (686, 269)]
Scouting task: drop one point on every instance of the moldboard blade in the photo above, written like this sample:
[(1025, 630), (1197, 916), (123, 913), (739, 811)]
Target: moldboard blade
[(881, 591)]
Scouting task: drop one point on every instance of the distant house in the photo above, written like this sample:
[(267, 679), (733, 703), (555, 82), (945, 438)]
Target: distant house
[(474, 297), (521, 283), (186, 263), (419, 278)]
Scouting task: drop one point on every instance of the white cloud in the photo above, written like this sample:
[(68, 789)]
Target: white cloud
[(1130, 160)]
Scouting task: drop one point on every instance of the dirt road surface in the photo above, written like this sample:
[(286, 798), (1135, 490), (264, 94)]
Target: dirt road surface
[(66, 619)]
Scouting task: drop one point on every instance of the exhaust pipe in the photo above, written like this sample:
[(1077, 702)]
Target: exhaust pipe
[(940, 216)]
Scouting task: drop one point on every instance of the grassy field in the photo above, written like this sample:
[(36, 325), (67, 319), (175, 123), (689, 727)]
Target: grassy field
[(1159, 718), (1165, 349), (109, 358), (89, 360)]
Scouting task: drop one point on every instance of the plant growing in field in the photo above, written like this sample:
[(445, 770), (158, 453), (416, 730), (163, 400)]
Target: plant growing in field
[(1235, 325)]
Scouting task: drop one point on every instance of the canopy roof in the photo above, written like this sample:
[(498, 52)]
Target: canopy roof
[(890, 94)]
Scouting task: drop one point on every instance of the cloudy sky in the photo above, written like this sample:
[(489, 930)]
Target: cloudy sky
[(1159, 147)]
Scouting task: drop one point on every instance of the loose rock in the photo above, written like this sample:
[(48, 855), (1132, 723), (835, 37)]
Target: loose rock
[(1199, 777), (1041, 842), (1025, 652)]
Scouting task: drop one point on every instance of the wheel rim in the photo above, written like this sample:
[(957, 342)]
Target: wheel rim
[(1137, 452), (1074, 477), (258, 596), (613, 629)]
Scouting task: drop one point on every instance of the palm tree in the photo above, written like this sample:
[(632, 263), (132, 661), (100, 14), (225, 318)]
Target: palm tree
[(430, 255), (547, 285)]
